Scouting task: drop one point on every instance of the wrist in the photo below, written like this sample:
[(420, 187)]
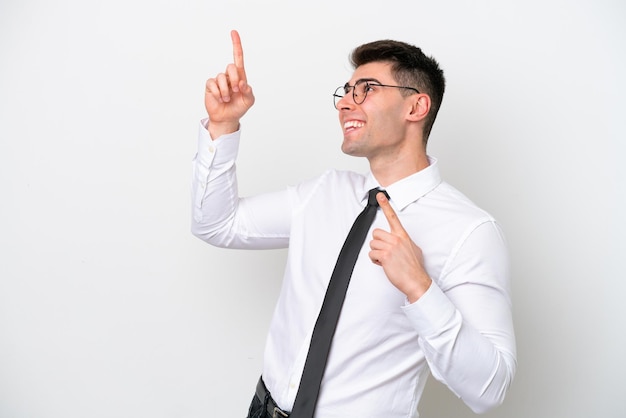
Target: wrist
[(217, 129), (421, 286)]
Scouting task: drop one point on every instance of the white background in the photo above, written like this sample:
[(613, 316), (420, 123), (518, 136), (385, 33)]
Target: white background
[(110, 308)]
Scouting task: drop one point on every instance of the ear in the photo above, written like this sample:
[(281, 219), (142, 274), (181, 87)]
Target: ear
[(420, 106)]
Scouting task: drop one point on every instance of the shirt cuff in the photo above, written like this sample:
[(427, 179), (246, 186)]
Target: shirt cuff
[(222, 149), (431, 312)]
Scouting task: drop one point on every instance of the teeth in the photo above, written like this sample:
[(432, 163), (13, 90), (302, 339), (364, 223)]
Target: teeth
[(353, 124)]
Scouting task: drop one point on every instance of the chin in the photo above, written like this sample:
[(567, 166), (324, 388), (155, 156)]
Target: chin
[(351, 149)]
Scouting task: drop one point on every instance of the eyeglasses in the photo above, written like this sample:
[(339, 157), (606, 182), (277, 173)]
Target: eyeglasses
[(360, 90)]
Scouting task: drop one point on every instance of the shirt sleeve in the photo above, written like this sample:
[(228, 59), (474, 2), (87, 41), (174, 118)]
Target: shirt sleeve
[(465, 323), (222, 218)]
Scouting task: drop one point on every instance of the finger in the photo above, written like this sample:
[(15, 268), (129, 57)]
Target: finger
[(232, 75), (390, 214), (238, 54), (223, 86), (380, 235), (212, 90), (373, 255)]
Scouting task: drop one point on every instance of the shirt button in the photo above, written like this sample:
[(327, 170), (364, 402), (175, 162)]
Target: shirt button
[(211, 149)]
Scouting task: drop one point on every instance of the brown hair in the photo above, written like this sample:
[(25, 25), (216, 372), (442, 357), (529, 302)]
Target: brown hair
[(410, 67)]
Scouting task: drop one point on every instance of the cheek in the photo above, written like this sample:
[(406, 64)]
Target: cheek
[(385, 127), (384, 117)]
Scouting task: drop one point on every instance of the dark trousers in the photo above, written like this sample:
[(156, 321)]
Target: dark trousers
[(256, 409), (263, 406)]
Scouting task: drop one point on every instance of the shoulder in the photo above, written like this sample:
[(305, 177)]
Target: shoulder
[(333, 179), (456, 203), (453, 216), (329, 185)]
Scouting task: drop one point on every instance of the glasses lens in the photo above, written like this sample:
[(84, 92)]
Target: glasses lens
[(360, 91), (339, 93)]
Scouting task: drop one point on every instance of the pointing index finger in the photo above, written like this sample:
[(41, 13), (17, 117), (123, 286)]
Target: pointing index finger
[(238, 52), (390, 214)]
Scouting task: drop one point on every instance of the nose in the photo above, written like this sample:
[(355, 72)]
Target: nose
[(346, 102)]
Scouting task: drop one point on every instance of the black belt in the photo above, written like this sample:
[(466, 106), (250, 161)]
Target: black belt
[(272, 409)]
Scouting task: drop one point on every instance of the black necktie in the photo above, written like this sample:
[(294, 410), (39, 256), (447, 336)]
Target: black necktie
[(304, 405)]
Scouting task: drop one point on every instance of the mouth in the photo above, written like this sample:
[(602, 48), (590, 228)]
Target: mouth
[(352, 125)]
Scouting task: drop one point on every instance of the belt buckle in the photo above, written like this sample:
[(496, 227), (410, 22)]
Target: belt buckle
[(279, 413)]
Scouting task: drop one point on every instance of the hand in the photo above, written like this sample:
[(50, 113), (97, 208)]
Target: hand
[(228, 96), (398, 255)]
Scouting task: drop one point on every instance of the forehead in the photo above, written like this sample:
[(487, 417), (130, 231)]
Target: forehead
[(380, 71)]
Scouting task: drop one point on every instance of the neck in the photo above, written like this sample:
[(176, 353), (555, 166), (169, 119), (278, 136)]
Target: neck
[(390, 170)]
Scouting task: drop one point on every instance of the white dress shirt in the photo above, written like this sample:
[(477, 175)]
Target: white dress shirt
[(460, 329)]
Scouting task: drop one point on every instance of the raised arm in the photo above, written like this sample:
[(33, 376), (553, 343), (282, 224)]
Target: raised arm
[(219, 216)]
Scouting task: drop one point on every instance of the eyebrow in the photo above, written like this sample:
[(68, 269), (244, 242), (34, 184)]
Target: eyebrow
[(361, 80)]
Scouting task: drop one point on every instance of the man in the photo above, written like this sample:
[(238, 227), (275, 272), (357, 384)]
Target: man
[(430, 289)]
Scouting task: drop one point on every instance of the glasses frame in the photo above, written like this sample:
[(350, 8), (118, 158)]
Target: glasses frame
[(341, 91)]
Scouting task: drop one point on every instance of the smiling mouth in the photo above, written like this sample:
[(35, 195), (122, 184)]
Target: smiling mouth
[(352, 125)]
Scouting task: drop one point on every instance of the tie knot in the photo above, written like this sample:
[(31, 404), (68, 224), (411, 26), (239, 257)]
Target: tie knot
[(371, 201)]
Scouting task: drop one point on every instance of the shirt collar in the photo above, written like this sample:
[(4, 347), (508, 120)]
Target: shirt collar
[(409, 189)]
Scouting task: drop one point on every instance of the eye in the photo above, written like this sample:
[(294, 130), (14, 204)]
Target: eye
[(361, 88), (371, 86)]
